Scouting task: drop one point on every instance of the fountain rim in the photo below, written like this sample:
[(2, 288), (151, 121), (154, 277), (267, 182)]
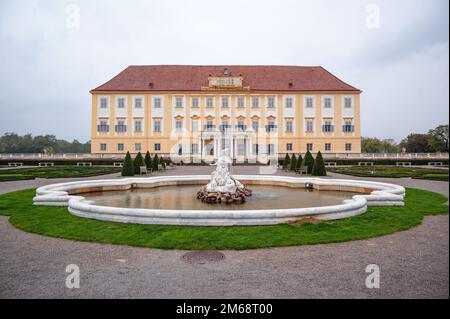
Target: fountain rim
[(382, 194)]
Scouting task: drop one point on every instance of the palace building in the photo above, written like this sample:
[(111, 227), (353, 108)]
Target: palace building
[(257, 112)]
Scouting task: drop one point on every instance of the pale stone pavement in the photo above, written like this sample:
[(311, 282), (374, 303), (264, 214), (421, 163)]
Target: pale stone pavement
[(413, 263)]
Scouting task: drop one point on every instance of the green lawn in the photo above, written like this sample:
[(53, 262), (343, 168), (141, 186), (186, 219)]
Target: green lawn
[(58, 222), (54, 172), (393, 171)]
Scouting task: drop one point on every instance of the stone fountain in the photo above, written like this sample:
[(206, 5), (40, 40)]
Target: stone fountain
[(222, 187)]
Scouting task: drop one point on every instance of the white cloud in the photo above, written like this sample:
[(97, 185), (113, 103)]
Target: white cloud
[(48, 69)]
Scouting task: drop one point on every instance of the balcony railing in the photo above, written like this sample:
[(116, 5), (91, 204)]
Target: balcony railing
[(209, 127), (121, 128), (271, 128), (102, 128), (240, 128), (348, 128), (224, 127), (327, 128)]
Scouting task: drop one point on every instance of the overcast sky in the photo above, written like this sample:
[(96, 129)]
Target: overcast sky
[(397, 52)]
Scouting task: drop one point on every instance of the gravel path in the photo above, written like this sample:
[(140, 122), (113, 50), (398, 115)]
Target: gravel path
[(413, 264)]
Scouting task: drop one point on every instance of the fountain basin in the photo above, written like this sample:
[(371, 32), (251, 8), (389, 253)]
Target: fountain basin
[(70, 194)]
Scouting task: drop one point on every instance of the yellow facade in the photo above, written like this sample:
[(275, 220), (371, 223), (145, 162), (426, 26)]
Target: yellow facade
[(305, 110)]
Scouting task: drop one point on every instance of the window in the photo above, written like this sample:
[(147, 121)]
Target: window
[(289, 128), (209, 125), (348, 102), (120, 147), (209, 102), (209, 149), (271, 127), (270, 149), (103, 126), (224, 102), (179, 102), (255, 149), (270, 102), (289, 102), (138, 103), (157, 147), (327, 146), (309, 126), (224, 126), (194, 125), (327, 126), (180, 149), (103, 147), (348, 146), (156, 125), (241, 149), (309, 102), (103, 103), (240, 102), (309, 147), (255, 126), (121, 127), (241, 126), (138, 126), (194, 148), (137, 147), (194, 102), (289, 147), (157, 102), (348, 127), (327, 103), (120, 103), (178, 125), (255, 102)]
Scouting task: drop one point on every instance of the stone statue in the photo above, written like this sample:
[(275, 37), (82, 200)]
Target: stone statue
[(223, 187), (221, 179)]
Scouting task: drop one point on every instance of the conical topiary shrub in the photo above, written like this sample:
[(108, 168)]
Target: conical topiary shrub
[(138, 162), (299, 163), (155, 162), (286, 162), (148, 160), (127, 169), (308, 160), (162, 162), (293, 163), (319, 166)]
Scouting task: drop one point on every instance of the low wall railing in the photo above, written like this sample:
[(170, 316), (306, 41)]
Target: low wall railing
[(328, 156)]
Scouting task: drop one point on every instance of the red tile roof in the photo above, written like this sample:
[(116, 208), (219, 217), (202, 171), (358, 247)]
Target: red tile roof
[(193, 77)]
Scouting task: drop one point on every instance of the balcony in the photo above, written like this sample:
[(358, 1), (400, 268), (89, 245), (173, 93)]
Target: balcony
[(348, 128), (121, 128), (224, 127), (209, 127), (240, 128), (271, 128), (102, 128), (327, 128)]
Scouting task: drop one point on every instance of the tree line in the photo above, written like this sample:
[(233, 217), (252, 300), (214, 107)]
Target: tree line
[(436, 140), (14, 143)]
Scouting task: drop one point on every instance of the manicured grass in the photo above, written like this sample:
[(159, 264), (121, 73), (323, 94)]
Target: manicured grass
[(58, 222), (393, 171), (54, 172)]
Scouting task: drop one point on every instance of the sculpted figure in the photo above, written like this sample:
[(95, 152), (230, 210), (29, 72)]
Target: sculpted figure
[(221, 180)]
